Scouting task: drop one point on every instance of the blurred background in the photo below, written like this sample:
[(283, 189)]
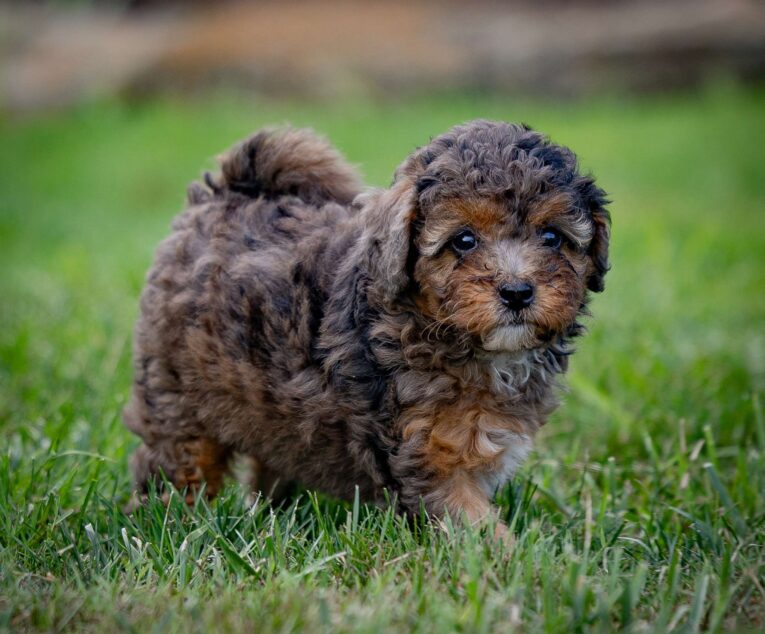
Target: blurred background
[(58, 53)]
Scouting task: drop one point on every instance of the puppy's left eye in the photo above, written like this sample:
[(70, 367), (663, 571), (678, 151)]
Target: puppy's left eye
[(464, 241), (551, 238)]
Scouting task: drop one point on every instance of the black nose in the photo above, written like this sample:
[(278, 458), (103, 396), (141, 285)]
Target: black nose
[(517, 295)]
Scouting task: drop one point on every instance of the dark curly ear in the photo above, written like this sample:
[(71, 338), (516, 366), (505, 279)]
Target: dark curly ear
[(595, 201), (389, 215)]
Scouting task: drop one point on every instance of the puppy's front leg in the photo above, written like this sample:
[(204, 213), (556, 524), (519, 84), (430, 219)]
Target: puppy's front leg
[(457, 495), (463, 498), (444, 464)]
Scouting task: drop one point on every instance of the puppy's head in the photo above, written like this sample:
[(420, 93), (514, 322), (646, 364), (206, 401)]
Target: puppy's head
[(491, 231)]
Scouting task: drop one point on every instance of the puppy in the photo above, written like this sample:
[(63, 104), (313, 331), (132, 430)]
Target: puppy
[(406, 339)]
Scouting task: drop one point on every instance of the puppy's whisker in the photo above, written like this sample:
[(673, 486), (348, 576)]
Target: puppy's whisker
[(434, 328)]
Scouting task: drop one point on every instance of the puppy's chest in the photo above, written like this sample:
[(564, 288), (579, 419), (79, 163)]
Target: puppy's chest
[(507, 421), (481, 426), (473, 436)]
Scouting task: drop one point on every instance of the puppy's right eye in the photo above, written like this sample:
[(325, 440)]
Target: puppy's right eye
[(464, 241), (552, 238)]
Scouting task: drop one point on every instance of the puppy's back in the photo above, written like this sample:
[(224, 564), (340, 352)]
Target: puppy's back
[(233, 301)]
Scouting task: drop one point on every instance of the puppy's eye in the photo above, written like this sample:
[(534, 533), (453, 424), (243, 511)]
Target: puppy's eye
[(551, 238), (464, 241)]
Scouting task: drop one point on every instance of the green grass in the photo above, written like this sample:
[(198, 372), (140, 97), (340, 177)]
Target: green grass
[(641, 509)]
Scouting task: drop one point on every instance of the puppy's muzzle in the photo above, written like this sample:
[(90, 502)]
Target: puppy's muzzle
[(516, 295)]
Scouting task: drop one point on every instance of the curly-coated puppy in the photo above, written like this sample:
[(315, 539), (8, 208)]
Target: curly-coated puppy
[(406, 339)]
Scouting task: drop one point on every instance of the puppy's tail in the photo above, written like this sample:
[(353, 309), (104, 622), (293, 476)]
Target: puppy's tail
[(288, 161)]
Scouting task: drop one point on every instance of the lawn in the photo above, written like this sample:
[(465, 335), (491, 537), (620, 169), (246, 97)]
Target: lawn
[(642, 507)]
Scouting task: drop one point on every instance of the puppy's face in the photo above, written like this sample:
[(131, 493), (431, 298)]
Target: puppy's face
[(506, 236), (512, 280)]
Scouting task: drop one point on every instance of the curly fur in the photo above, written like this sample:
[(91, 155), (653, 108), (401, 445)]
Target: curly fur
[(343, 344)]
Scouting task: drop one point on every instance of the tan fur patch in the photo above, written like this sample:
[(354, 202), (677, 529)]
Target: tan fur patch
[(549, 208), (462, 495), (483, 215), (458, 435), (201, 461)]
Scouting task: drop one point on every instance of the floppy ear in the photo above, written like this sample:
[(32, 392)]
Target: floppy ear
[(389, 215), (599, 250), (595, 201)]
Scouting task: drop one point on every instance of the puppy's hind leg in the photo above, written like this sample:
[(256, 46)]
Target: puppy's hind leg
[(187, 463), (267, 483)]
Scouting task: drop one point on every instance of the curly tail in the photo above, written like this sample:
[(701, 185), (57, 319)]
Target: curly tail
[(288, 161)]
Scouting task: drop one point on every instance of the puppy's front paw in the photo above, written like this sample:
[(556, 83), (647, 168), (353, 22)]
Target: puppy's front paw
[(503, 536)]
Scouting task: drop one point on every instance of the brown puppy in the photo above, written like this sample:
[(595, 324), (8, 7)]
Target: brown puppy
[(406, 339)]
